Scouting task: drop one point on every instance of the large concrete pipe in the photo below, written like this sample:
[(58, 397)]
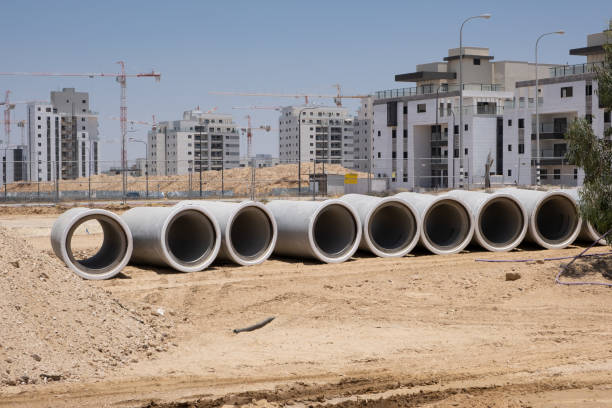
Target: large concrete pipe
[(554, 220), (248, 230), (446, 222), (329, 231), (587, 232), (391, 226), (114, 253), (500, 220), (185, 238)]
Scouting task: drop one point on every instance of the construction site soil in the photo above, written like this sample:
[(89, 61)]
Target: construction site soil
[(423, 330)]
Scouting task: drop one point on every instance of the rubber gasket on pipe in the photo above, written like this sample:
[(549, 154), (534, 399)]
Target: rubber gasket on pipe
[(114, 253), (185, 238), (248, 230), (329, 231), (391, 226)]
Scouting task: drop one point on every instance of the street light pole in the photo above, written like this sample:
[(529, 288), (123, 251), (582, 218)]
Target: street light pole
[(485, 16), (537, 97)]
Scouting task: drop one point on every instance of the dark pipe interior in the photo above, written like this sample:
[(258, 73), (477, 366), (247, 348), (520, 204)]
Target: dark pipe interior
[(446, 224), (392, 227), (335, 230), (556, 219), (251, 233), (501, 222), (190, 237)]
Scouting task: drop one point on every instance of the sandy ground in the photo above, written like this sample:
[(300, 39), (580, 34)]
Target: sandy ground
[(423, 330)]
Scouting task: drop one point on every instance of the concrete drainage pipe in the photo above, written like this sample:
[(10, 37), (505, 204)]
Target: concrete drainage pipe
[(329, 231), (185, 238), (248, 230), (554, 220), (446, 222), (114, 253), (391, 226), (587, 233), (500, 220)]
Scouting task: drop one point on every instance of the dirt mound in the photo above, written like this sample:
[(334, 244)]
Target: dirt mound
[(56, 326)]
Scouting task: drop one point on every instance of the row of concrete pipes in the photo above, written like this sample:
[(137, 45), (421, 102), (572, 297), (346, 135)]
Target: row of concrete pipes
[(191, 235)]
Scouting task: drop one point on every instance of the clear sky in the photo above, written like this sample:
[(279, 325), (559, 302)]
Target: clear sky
[(265, 46)]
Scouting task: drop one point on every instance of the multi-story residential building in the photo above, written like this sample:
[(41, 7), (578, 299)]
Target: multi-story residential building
[(363, 125), (415, 130), (568, 92), (13, 164), (260, 160), (200, 140), (326, 135), (62, 137)]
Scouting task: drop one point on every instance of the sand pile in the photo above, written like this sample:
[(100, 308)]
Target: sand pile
[(55, 326), (236, 179)]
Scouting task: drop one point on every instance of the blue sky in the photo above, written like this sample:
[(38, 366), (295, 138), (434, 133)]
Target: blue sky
[(268, 46)]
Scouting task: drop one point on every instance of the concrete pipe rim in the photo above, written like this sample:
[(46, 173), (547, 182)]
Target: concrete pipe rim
[(519, 233), (467, 232), (111, 223), (203, 256), (407, 243), (572, 231), (594, 234), (351, 247), (270, 235)]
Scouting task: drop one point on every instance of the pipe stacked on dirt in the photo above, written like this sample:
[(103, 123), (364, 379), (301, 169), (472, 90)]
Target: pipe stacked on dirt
[(391, 226), (500, 220), (248, 230), (446, 222), (329, 231), (587, 232), (191, 235), (112, 256), (554, 219)]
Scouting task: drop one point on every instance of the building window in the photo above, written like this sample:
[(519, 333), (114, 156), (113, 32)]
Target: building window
[(476, 61), (589, 118), (567, 92), (521, 123), (379, 133), (406, 132), (543, 174), (465, 128), (607, 117), (466, 151), (521, 148), (557, 174), (589, 90), (509, 173), (575, 174), (405, 110), (394, 155), (456, 129), (509, 147), (379, 155), (421, 107), (509, 122), (393, 133), (405, 155)]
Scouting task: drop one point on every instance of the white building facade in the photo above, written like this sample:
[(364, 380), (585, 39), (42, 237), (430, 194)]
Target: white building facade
[(62, 137), (201, 140), (323, 134)]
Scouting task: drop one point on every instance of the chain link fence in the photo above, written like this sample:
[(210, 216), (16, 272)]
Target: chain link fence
[(267, 179)]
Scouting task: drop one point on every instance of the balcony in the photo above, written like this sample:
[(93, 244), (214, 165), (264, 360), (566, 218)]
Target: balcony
[(549, 131), (432, 89), (577, 69)]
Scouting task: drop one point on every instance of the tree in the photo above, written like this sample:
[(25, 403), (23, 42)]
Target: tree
[(594, 155)]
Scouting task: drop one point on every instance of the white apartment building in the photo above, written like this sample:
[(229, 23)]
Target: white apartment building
[(363, 125), (325, 133), (568, 92), (62, 137), (13, 164), (415, 130), (200, 140)]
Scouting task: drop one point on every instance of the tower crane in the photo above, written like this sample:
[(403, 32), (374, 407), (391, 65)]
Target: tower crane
[(121, 77), (336, 98)]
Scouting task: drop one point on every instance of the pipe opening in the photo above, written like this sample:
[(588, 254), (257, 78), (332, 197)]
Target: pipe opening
[(334, 231), (556, 219), (392, 227), (501, 222), (446, 225), (190, 237), (110, 253), (251, 233)]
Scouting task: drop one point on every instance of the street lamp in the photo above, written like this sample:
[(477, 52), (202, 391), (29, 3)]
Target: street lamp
[(485, 16), (537, 97), (131, 139)]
